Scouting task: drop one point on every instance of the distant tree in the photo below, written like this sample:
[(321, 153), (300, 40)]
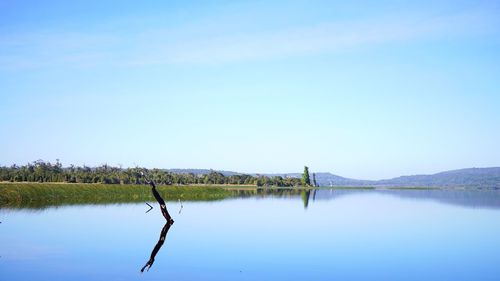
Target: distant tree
[(42, 171), (259, 182), (306, 181), (314, 180), (277, 181)]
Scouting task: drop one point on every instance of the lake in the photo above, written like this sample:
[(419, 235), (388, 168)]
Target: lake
[(318, 235)]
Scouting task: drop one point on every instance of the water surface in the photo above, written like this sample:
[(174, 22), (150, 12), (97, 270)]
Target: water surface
[(323, 235)]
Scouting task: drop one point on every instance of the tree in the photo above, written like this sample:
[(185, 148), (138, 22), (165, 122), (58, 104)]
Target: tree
[(47, 172), (314, 180), (306, 181)]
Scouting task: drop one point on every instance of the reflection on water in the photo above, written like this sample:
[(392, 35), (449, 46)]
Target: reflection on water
[(306, 194), (159, 244), (465, 198), (343, 235), (166, 227), (305, 197)]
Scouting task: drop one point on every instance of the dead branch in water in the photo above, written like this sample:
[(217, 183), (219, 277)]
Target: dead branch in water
[(150, 207), (163, 206)]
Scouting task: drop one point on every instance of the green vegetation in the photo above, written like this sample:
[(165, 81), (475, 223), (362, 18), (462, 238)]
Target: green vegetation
[(41, 195), (306, 181), (49, 194), (40, 171), (41, 184)]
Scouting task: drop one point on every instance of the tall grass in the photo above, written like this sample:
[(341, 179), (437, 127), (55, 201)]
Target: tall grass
[(47, 194), (42, 195)]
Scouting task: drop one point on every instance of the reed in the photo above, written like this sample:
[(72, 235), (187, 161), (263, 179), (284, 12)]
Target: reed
[(50, 194)]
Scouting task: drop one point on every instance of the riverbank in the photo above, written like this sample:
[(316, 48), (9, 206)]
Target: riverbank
[(40, 195), (19, 194)]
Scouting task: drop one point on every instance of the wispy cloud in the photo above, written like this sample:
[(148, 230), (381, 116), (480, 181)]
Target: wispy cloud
[(322, 38), (44, 49), (169, 46)]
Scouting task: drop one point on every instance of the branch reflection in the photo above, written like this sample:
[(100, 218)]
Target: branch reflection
[(163, 236)]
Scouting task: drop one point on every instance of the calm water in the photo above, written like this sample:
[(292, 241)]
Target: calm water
[(329, 235)]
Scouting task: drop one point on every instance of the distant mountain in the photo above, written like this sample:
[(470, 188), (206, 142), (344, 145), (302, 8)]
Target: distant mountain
[(329, 179), (466, 178), (472, 177), (326, 179)]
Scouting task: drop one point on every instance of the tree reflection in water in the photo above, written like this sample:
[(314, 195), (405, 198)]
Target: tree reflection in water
[(163, 236), (166, 227)]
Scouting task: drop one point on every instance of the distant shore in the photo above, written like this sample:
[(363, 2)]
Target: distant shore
[(45, 194)]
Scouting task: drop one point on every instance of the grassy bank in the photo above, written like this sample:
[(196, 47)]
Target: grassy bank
[(41, 195), (48, 194)]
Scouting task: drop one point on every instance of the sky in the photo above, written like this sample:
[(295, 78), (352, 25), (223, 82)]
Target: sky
[(361, 89)]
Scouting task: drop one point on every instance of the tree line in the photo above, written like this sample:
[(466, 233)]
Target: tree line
[(41, 171)]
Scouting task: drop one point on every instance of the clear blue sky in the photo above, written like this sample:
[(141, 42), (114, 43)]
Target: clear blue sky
[(362, 89)]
